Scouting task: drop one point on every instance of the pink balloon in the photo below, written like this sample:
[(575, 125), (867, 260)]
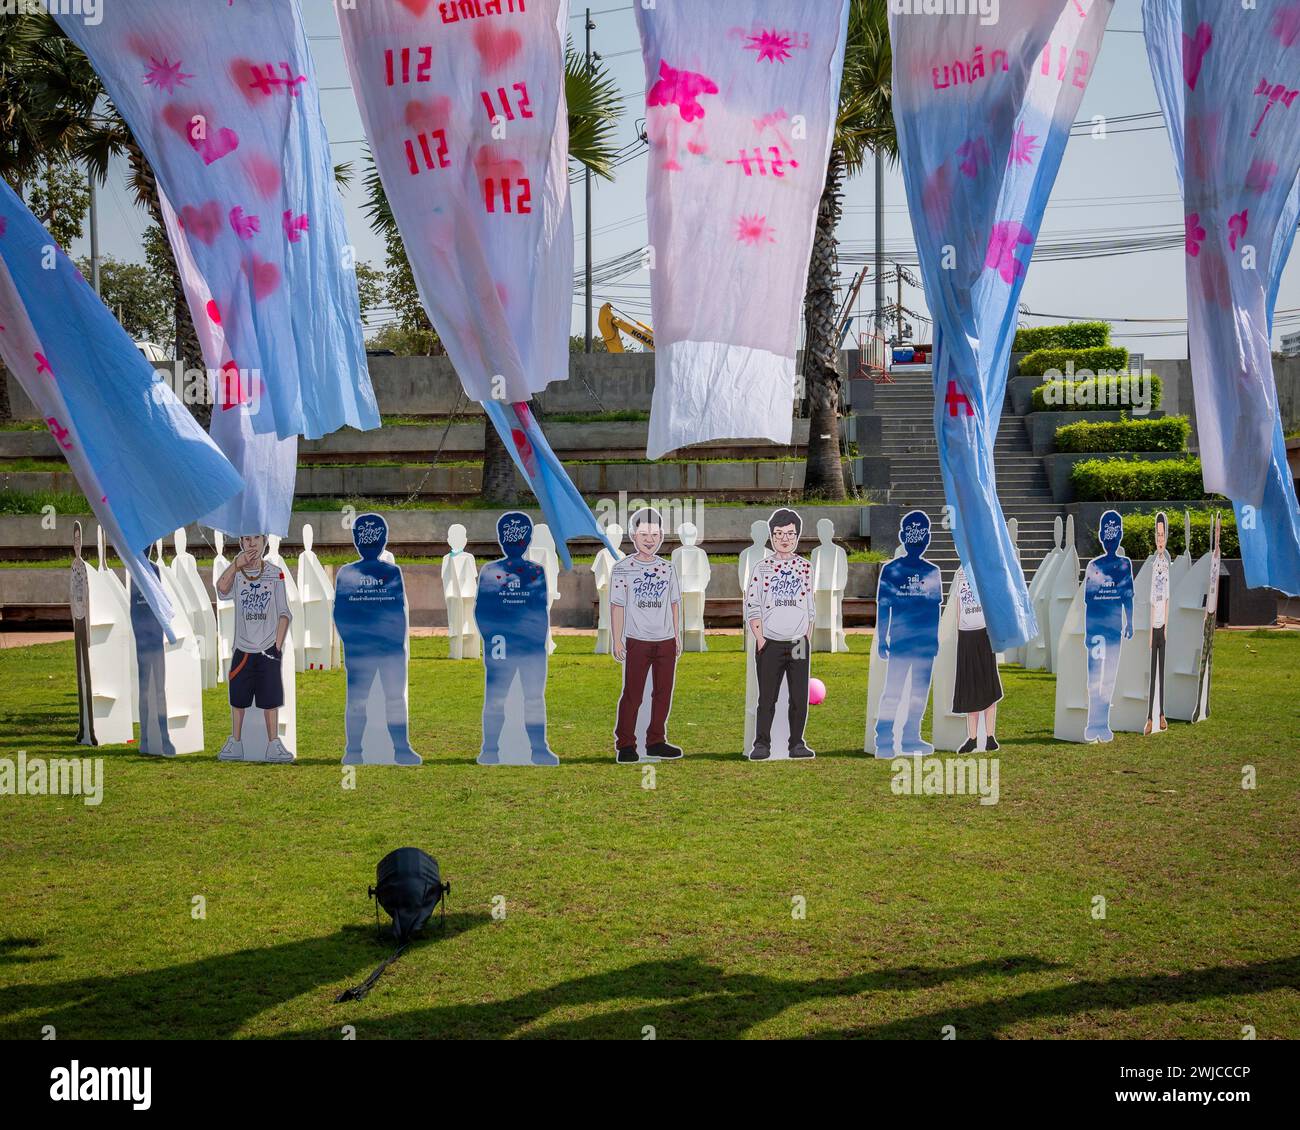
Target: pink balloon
[(816, 692)]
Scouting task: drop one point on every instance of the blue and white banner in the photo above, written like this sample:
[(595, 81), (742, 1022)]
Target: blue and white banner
[(1227, 77), (983, 113), (222, 100), (145, 466)]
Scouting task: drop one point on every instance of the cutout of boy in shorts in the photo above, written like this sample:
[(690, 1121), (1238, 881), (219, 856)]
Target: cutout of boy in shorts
[(261, 622)]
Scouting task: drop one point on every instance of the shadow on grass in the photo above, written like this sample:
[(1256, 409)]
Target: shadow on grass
[(991, 1018), (687, 998), (9, 956), (211, 998), (690, 999)]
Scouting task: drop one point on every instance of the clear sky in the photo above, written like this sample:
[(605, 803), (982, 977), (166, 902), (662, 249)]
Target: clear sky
[(1116, 189)]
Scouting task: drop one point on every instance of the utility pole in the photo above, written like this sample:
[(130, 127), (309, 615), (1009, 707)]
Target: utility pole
[(898, 305), (880, 243), (94, 234), (587, 346)]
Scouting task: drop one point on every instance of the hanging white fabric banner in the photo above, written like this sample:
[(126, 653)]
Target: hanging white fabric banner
[(741, 102)]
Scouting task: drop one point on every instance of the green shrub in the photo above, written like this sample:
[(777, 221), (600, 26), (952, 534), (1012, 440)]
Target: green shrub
[(1075, 335), (1140, 534), (1167, 434), (1132, 480), (1095, 359), (32, 502), (1123, 391)]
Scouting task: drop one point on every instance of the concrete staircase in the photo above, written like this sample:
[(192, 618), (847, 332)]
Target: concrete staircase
[(907, 439)]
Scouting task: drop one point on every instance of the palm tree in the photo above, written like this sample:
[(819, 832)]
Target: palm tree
[(595, 107), (865, 125)]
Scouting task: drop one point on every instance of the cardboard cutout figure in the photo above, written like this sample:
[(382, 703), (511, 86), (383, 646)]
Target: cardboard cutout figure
[(1037, 652), (296, 624), (601, 568), (258, 671), (542, 552), (1128, 707), (978, 687), (151, 663), (830, 564), (876, 668), (79, 599), (1161, 592), (184, 667), (225, 609), (371, 617), (1015, 654), (1108, 621), (779, 611), (111, 658), (1187, 635), (691, 564), (750, 558), (513, 619), (909, 596), (316, 591), (198, 607), (1183, 562), (1202, 709), (1065, 584), (645, 628), (459, 592)]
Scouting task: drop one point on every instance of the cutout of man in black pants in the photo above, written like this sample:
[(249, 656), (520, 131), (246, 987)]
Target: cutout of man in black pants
[(779, 611), (1160, 585)]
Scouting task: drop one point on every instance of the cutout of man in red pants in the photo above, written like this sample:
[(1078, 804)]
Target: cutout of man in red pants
[(645, 604)]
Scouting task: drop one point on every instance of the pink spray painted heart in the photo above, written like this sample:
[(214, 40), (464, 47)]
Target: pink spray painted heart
[(1194, 51), (215, 146), (203, 222), (497, 46), (264, 276)]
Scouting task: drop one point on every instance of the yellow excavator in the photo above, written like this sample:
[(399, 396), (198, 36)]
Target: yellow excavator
[(613, 326)]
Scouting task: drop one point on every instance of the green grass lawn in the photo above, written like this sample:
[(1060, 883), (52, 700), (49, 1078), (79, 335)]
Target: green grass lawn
[(670, 907)]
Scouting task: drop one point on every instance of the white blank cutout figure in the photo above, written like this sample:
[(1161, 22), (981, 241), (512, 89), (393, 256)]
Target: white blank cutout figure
[(542, 552), (1071, 718), (1065, 583), (316, 592), (459, 592), (184, 670), (693, 576), (185, 570), (112, 662), (225, 610), (601, 570), (750, 557), (830, 565), (296, 626), (1035, 655), (1014, 654), (1187, 638)]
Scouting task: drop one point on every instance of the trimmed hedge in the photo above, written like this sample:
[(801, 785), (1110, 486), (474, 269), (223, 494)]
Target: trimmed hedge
[(1106, 393), (1130, 480), (1096, 359), (1075, 335), (1140, 534), (1169, 433)]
